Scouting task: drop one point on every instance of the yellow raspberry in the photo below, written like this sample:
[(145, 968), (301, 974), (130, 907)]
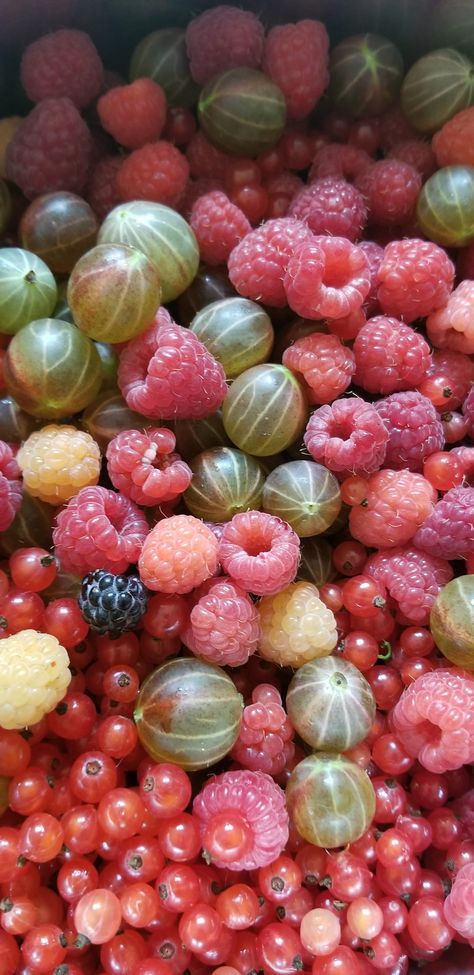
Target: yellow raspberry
[(57, 461), (296, 626), (35, 677)]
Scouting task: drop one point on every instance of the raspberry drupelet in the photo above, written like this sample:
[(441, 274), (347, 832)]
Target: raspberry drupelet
[(259, 552), (414, 429), (390, 356), (393, 505), (178, 554), (205, 160), (101, 190), (11, 492), (458, 904), (448, 531), (415, 278), (63, 64), (133, 114), (258, 264), (157, 172), (144, 467), (223, 626), (265, 739), (326, 277), (295, 57), (331, 206), (452, 143), (339, 161), (390, 188), (222, 38), (57, 461), (452, 326), (296, 626), (51, 150), (323, 363), (35, 677), (99, 529), (434, 719), (416, 153), (219, 226), (347, 437), (413, 579)]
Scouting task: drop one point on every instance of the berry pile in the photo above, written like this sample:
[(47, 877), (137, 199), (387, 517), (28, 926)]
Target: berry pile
[(237, 492)]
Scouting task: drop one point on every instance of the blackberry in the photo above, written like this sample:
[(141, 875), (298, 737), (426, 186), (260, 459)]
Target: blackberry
[(111, 603)]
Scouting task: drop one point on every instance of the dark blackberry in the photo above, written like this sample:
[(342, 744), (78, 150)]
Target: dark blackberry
[(112, 604)]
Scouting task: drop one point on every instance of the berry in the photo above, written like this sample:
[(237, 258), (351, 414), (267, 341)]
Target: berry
[(337, 160), (101, 190), (10, 486), (413, 579), (326, 277), (50, 150), (458, 904), (390, 356), (112, 604), (222, 38), (295, 56), (390, 188), (133, 114), (296, 626), (448, 530), (167, 373), (205, 161), (64, 64), (157, 172), (468, 409), (144, 467), (179, 553), (259, 552), (432, 718), (452, 326), (416, 153), (347, 437), (223, 627), (452, 143), (219, 226), (265, 738), (323, 363), (99, 529), (35, 677), (330, 206), (415, 278), (394, 505), (448, 380), (414, 429), (258, 264), (57, 461)]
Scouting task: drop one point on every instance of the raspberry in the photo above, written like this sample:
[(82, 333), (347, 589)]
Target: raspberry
[(219, 226), (64, 64), (434, 719), (257, 265), (10, 486), (204, 159), (102, 190), (416, 153), (448, 380), (112, 604), (330, 206), (259, 552), (167, 372), (414, 430), (265, 738), (195, 189), (295, 56), (35, 677), (457, 907), (222, 38), (389, 355), (395, 128), (179, 553), (223, 626), (374, 254), (413, 580), (99, 529), (452, 327), (133, 114), (463, 809), (261, 804), (57, 461), (337, 160), (326, 277), (468, 410), (390, 188), (296, 626), (157, 172), (453, 143), (323, 363), (415, 278), (348, 436), (50, 150), (143, 467), (449, 530), (396, 503)]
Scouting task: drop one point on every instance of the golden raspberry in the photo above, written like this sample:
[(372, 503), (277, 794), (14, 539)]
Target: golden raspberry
[(35, 677), (296, 626), (57, 461)]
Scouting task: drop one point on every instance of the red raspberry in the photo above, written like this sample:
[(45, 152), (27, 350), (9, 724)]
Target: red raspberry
[(259, 552), (468, 410), (452, 327), (143, 467), (323, 363), (414, 429), (349, 326), (449, 530), (395, 128), (204, 159), (347, 436), (64, 64), (99, 529), (390, 356), (374, 254), (448, 380), (219, 226), (102, 190), (223, 38), (50, 150), (452, 144), (434, 719), (167, 373), (326, 277), (413, 580), (157, 172), (195, 189), (10, 486), (457, 907), (224, 624), (415, 278), (416, 153), (133, 114), (295, 56), (395, 504), (261, 805), (257, 265), (265, 738), (331, 206), (178, 554), (338, 160), (391, 189)]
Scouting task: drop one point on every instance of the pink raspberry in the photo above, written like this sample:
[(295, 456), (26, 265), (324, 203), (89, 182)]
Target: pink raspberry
[(157, 172), (347, 436), (347, 327), (463, 809), (434, 719), (259, 552), (468, 410), (265, 739), (195, 189), (295, 56), (224, 624), (326, 277), (133, 114), (143, 467), (64, 64), (257, 265), (395, 504), (99, 529), (260, 805), (222, 38), (323, 363), (374, 254), (458, 904), (50, 150), (449, 530), (390, 356), (414, 429), (340, 161), (10, 486), (178, 554), (416, 153), (415, 278), (390, 188), (449, 378), (219, 226), (102, 190), (452, 326), (331, 206), (167, 373), (413, 580), (204, 159)]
